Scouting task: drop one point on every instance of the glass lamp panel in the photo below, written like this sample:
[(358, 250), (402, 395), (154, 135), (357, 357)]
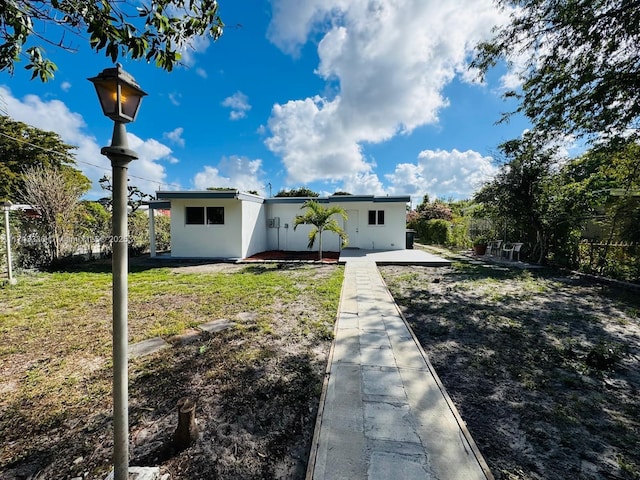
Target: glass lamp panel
[(107, 94), (130, 101)]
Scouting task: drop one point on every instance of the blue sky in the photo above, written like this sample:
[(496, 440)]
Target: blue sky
[(367, 96)]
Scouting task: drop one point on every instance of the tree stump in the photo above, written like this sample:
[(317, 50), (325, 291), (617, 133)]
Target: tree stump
[(187, 432)]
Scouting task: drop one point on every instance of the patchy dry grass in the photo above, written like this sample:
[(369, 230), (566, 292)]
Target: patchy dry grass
[(542, 366), (256, 385)]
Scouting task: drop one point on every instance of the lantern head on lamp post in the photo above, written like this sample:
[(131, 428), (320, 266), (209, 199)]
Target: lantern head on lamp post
[(120, 97)]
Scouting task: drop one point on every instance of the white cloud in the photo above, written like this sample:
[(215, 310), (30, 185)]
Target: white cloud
[(65, 86), (201, 72), (442, 174), (293, 20), (239, 105), (175, 136), (313, 145), (232, 172), (390, 61), (53, 115), (175, 98), (363, 184), (146, 172)]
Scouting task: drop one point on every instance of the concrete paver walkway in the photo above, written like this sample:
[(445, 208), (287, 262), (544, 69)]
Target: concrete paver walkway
[(385, 414)]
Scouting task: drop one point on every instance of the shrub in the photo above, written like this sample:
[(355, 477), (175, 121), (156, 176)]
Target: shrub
[(437, 231), (458, 236)]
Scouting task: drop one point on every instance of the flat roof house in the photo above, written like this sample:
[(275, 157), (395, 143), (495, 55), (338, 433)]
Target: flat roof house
[(230, 224)]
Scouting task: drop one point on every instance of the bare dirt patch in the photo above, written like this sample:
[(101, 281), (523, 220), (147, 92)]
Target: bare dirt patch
[(543, 367)]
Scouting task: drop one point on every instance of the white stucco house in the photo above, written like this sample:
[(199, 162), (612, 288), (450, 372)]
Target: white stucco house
[(233, 224)]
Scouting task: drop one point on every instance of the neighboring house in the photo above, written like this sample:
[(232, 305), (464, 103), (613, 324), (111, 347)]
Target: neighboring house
[(234, 224)]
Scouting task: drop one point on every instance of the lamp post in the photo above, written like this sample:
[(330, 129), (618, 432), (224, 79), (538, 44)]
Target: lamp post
[(120, 97), (6, 206)]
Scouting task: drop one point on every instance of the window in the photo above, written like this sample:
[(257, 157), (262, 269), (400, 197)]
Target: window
[(196, 216), (376, 217), (215, 215)]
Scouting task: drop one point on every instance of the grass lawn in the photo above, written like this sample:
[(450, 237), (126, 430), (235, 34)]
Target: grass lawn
[(256, 385)]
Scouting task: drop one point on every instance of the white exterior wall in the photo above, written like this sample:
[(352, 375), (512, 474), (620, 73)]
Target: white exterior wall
[(219, 241), (390, 236), (254, 231), (246, 230), (295, 240)]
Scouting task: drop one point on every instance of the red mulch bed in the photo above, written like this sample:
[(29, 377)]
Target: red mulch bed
[(327, 257)]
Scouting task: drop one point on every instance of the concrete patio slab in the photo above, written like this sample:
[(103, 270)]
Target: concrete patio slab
[(394, 257)]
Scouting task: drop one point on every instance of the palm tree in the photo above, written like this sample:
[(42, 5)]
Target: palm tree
[(320, 218)]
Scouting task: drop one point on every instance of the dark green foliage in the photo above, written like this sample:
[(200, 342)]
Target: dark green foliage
[(297, 192), (520, 194), (437, 232), (23, 146), (552, 205), (431, 221), (151, 31), (138, 233), (322, 219), (92, 228), (434, 231), (163, 232), (580, 71)]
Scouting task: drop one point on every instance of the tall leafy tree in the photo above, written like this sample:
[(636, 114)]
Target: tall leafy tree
[(607, 183), (578, 60), (23, 146), (520, 193), (323, 219), (156, 30)]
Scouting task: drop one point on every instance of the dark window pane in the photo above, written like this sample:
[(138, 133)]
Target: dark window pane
[(380, 217), (372, 217), (215, 215), (195, 215)]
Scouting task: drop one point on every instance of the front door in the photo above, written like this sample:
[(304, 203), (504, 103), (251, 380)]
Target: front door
[(351, 226)]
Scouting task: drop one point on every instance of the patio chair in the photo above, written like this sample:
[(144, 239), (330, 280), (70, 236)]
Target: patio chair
[(510, 248), (516, 250), (494, 247)]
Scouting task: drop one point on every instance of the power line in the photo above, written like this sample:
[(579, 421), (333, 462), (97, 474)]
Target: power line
[(100, 167)]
